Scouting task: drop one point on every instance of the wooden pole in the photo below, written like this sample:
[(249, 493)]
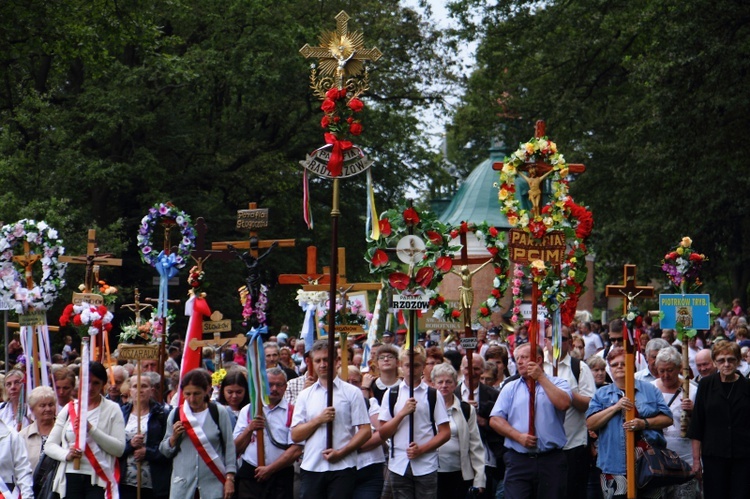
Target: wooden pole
[(138, 430), (533, 332), (261, 446), (335, 213), (629, 340), (684, 419)]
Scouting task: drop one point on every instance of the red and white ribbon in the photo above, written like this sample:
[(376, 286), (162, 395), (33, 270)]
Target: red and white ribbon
[(103, 471), (5, 492), (198, 437)]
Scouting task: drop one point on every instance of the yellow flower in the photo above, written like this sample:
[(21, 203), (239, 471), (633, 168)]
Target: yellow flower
[(564, 172), (552, 147), (679, 250), (529, 148), (513, 220), (503, 194), (547, 221), (542, 144), (538, 265), (571, 273), (573, 260), (686, 242), (509, 169)]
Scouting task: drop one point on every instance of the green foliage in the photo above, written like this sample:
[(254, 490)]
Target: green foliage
[(107, 108), (649, 95)]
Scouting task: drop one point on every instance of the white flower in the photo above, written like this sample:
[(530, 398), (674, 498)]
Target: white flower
[(52, 234), (496, 282), (491, 302), (438, 314), (42, 225)]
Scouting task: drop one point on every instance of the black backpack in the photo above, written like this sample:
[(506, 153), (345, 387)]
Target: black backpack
[(431, 401)]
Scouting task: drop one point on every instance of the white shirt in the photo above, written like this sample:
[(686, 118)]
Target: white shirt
[(673, 433), (489, 456), (592, 343), (645, 375), (428, 462), (276, 424), (8, 416), (575, 421), (351, 413), (376, 455), (14, 461)]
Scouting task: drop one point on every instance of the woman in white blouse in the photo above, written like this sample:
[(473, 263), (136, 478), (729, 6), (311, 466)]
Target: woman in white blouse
[(461, 459)]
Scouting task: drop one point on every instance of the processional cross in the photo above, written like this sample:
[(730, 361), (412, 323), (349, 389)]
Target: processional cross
[(341, 56), (137, 307), (93, 260), (629, 291)]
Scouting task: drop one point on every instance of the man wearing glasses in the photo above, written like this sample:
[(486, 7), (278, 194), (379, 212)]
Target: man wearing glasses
[(582, 385), (388, 367), (616, 334)]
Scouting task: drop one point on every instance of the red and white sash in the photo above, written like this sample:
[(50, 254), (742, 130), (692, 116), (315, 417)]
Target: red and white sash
[(198, 437), (103, 470), (5, 492)]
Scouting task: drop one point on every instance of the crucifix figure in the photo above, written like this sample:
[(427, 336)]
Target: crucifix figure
[(252, 281), (137, 307), (629, 290), (200, 254), (92, 259), (311, 275), (538, 172)]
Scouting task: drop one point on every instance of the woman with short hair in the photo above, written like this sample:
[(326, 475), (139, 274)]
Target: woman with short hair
[(43, 404), (718, 429), (105, 442), (460, 459), (9, 411), (143, 446)]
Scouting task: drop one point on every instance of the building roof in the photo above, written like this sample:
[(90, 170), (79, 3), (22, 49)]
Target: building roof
[(476, 199)]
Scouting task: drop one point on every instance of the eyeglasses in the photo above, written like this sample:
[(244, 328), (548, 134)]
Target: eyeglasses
[(386, 356), (726, 360), (617, 364), (615, 340)]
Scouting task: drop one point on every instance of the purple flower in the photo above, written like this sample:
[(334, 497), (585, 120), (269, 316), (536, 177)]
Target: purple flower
[(163, 209), (146, 250)]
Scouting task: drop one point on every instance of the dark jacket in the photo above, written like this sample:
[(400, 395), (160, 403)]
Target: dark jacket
[(161, 467), (720, 423), (487, 398)]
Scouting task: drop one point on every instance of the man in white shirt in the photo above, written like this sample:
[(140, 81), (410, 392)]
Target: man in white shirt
[(650, 373), (592, 342), (276, 477), (413, 465), (582, 385), (329, 471)]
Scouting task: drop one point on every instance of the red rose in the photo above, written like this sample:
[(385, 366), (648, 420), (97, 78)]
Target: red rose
[(385, 227), (454, 234), (328, 106), (493, 250), (456, 313), (411, 217), (696, 257), (379, 258), (325, 121), (356, 105), (399, 280), (432, 302), (441, 299), (496, 293), (547, 208), (336, 119), (672, 256), (424, 276), (355, 128), (350, 120), (333, 93), (77, 320), (434, 237), (444, 264), (464, 227), (537, 229), (498, 270), (484, 311), (493, 232)]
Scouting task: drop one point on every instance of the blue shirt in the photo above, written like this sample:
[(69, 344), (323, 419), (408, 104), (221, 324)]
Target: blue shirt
[(649, 402), (513, 406)]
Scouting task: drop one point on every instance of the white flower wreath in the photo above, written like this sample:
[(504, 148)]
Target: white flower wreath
[(43, 241)]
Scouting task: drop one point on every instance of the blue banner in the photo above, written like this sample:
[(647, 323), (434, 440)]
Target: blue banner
[(693, 311)]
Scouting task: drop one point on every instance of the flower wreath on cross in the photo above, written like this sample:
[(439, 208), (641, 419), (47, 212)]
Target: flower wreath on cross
[(551, 216), (43, 240), (427, 273), (497, 246), (682, 266), (89, 319), (560, 289), (151, 255)]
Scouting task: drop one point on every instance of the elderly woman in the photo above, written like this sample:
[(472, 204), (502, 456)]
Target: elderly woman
[(105, 442), (460, 459), (14, 386), (598, 368), (145, 425), (43, 405), (719, 430), (605, 414), (197, 430), (669, 383)]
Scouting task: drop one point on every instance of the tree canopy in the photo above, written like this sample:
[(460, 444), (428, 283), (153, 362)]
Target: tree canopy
[(650, 95), (109, 107)]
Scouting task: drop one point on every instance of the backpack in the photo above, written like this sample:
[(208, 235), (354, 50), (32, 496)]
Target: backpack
[(575, 366), (213, 410)]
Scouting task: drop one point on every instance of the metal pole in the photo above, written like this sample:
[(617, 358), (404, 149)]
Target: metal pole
[(335, 213)]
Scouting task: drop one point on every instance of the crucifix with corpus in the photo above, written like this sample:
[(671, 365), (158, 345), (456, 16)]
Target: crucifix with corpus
[(93, 260), (524, 249), (341, 56), (629, 291)]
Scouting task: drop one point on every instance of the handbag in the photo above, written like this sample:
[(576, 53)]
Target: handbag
[(44, 477), (657, 467)]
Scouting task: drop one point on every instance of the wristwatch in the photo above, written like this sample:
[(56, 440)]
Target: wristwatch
[(646, 426)]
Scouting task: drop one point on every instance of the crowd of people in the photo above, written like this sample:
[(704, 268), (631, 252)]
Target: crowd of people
[(435, 422)]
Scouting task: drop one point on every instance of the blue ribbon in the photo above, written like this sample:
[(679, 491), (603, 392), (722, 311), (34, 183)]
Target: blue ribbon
[(308, 326), (254, 335), (166, 266)]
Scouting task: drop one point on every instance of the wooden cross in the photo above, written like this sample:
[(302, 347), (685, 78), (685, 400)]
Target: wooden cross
[(253, 244), (341, 59), (311, 275), (629, 291), (216, 326), (27, 261), (91, 259), (538, 170), (467, 297), (200, 254), (137, 307)]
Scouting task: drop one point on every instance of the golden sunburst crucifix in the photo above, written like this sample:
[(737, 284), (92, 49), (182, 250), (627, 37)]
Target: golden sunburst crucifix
[(341, 54)]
